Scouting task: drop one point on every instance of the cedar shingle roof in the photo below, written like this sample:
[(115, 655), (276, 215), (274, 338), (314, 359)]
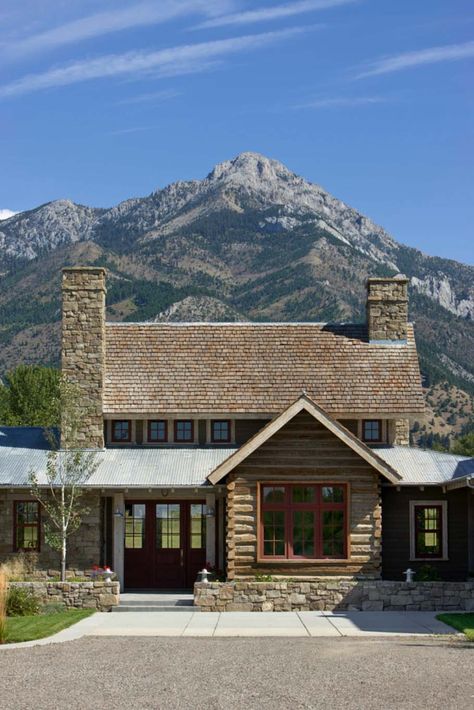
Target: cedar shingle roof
[(256, 368)]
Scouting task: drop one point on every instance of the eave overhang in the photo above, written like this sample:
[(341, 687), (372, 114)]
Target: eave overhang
[(304, 403)]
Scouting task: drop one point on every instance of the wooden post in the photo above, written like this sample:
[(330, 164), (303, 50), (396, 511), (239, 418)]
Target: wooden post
[(119, 538)]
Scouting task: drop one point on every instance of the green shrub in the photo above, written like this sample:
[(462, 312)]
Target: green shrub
[(21, 602), (427, 573)]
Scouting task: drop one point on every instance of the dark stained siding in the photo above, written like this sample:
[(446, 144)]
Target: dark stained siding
[(396, 531), (352, 425), (246, 428), (139, 424), (201, 423)]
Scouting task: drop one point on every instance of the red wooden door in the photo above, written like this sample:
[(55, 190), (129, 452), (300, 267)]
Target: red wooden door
[(165, 543)]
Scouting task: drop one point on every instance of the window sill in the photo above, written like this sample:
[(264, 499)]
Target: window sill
[(427, 560)]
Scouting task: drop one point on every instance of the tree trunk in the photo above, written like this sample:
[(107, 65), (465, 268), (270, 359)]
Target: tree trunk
[(63, 558)]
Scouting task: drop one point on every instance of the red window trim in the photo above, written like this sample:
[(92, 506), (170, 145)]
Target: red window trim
[(372, 441), (15, 527), (157, 441), (317, 507), (427, 556), (183, 441), (221, 441), (121, 441)]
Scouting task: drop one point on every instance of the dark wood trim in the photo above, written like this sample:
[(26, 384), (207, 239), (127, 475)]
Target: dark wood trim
[(229, 429), (439, 530), (372, 441), (157, 441), (318, 507), (121, 441), (15, 527), (183, 441)]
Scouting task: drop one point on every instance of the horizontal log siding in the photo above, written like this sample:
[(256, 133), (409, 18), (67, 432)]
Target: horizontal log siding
[(304, 450)]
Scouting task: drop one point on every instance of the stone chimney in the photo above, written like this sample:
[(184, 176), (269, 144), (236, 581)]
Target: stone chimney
[(387, 309), (83, 346)]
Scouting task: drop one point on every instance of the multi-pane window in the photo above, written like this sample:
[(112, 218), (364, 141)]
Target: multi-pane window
[(372, 430), (135, 525), (121, 430), (428, 530), (168, 526), (158, 430), (27, 525), (198, 526), (184, 430), (303, 521), (220, 431)]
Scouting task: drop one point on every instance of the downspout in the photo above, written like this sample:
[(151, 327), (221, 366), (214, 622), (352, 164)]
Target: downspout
[(470, 482)]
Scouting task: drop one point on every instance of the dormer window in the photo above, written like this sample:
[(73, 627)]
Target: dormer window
[(372, 431), (184, 431), (157, 431), (121, 430), (220, 431)]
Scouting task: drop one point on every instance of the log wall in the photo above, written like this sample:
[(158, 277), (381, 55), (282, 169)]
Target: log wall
[(304, 450)]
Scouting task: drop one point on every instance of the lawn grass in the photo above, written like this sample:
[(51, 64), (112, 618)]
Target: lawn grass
[(29, 628), (461, 622)]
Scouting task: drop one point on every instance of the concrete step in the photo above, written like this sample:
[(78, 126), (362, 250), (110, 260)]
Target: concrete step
[(155, 601), (154, 608), (139, 603)]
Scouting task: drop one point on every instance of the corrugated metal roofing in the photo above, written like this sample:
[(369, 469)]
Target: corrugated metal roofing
[(23, 450), (425, 466)]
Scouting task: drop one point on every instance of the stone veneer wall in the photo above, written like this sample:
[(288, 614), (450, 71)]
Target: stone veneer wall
[(83, 346), (334, 594), (402, 432), (75, 595), (387, 308), (84, 546)]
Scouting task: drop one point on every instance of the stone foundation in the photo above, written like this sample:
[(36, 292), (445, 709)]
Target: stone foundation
[(334, 594), (75, 595)]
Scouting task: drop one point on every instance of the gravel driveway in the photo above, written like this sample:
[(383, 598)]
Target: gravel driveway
[(106, 673)]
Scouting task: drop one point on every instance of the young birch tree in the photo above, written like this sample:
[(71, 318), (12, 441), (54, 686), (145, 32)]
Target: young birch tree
[(68, 469)]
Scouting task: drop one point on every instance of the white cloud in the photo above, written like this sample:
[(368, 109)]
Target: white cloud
[(407, 60), (107, 22), (6, 214), (275, 12), (166, 62), (342, 102), (134, 129), (158, 96)]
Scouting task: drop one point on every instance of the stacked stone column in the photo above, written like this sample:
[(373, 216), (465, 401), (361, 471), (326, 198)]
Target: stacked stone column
[(83, 347), (387, 309)]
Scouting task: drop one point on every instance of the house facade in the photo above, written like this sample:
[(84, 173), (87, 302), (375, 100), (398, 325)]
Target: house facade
[(255, 448)]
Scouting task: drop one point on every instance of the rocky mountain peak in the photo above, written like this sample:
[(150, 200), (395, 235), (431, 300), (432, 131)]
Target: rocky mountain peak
[(250, 167)]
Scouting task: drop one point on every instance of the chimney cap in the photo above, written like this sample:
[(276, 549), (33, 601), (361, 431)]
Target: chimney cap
[(399, 278), (87, 269)]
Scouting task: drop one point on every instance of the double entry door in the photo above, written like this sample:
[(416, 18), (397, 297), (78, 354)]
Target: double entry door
[(165, 543)]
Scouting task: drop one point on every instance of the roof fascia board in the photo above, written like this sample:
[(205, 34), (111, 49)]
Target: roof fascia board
[(303, 403)]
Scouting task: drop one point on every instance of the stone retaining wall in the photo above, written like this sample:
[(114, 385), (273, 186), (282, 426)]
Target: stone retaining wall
[(334, 594), (75, 595)]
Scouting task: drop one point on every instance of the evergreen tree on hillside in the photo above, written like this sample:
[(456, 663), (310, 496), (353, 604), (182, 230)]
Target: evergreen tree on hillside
[(30, 397)]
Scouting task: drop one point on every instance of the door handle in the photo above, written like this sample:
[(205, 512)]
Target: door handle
[(182, 557)]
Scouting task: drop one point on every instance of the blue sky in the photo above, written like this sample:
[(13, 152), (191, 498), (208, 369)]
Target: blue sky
[(373, 99)]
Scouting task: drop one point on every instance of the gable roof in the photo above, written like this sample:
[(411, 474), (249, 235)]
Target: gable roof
[(304, 403), (257, 368)]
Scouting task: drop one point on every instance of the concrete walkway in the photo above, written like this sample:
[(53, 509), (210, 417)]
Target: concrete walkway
[(236, 623)]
